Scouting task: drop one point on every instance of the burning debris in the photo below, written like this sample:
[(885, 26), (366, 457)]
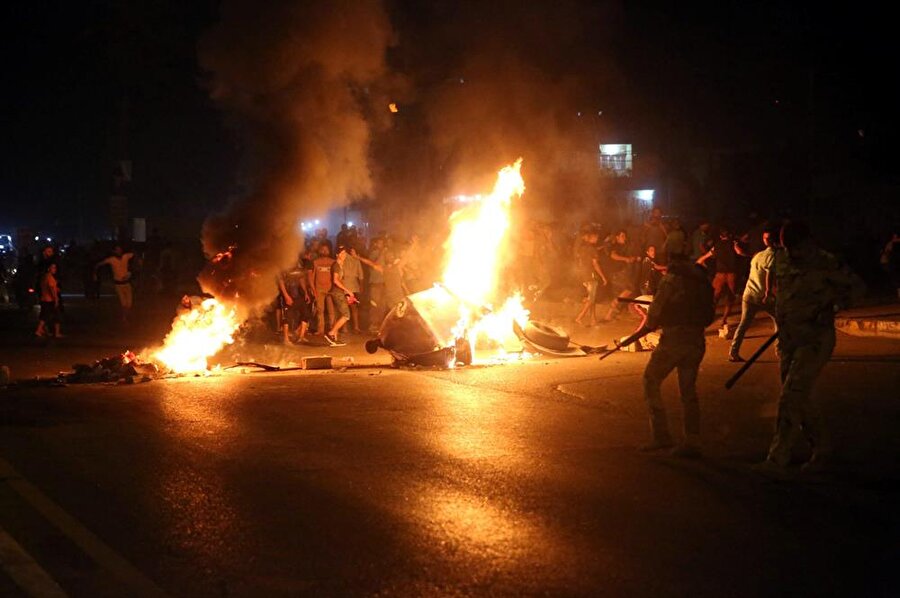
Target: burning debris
[(443, 325), (125, 367), (197, 335)]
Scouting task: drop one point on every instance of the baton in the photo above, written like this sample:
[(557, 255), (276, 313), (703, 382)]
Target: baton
[(762, 349), (638, 301), (643, 331)]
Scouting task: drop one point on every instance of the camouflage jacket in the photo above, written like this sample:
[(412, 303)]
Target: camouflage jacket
[(684, 299), (811, 285)]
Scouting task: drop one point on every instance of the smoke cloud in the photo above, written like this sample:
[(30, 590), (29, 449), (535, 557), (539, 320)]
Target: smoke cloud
[(496, 81), (298, 81)]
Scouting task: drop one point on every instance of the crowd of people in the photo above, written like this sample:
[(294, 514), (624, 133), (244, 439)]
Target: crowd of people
[(352, 282), (154, 268), (347, 283), (808, 285)]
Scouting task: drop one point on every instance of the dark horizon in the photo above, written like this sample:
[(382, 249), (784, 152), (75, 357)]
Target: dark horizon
[(802, 91)]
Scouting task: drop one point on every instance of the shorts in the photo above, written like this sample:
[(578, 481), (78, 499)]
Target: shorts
[(123, 290), (591, 286), (49, 313), (623, 281), (341, 307), (724, 280), (299, 312)]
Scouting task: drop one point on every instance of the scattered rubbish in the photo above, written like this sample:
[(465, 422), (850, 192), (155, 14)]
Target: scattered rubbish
[(123, 367)]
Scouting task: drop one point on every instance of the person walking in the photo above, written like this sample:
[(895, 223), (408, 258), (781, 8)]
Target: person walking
[(683, 307), (48, 322), (812, 287), (353, 280), (758, 296), (341, 297), (588, 258)]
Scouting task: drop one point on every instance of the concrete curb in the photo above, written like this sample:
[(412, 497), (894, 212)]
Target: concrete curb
[(869, 327)]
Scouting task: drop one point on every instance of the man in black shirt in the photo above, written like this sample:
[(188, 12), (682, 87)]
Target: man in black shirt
[(724, 282)]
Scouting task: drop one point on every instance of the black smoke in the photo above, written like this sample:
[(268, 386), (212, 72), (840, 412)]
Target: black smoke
[(299, 82)]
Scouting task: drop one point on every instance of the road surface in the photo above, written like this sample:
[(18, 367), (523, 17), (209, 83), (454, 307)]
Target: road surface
[(508, 480)]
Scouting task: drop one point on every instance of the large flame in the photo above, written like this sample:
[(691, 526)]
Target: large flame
[(197, 335), (477, 251)]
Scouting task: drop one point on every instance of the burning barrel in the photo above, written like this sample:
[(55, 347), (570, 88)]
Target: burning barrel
[(421, 330)]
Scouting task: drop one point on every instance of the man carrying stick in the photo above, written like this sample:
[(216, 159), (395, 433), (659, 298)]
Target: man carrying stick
[(683, 308), (812, 287)]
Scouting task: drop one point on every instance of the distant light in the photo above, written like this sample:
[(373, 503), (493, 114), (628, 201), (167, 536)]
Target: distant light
[(645, 194), (350, 223), (614, 149), (317, 223), (393, 108), (37, 238), (49, 239), (462, 80), (579, 113), (599, 112)]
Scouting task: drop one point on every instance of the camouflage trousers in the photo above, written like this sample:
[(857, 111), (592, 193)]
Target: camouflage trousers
[(798, 414), (682, 350)]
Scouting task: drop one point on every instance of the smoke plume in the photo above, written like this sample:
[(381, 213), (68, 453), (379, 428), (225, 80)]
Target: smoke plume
[(298, 81), (496, 81)]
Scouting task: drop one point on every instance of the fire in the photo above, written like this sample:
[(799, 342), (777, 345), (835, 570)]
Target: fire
[(477, 251), (198, 335)]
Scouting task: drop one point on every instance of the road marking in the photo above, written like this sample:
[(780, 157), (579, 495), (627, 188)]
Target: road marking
[(86, 540), (25, 571)]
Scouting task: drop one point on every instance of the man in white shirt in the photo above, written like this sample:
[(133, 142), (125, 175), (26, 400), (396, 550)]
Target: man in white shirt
[(758, 294), (119, 263)]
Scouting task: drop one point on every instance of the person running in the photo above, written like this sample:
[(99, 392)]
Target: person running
[(119, 263), (621, 263), (759, 294)]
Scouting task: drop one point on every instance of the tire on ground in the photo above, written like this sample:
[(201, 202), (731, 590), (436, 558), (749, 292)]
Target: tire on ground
[(545, 335)]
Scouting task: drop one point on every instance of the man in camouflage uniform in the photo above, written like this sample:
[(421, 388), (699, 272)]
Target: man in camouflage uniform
[(683, 307), (811, 285)]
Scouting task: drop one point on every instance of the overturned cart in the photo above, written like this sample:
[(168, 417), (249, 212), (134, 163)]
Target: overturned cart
[(424, 329)]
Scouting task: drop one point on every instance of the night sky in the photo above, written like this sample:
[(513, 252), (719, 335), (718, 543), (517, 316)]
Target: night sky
[(87, 82)]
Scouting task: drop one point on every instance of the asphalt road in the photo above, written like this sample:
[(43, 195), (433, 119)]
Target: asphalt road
[(516, 479)]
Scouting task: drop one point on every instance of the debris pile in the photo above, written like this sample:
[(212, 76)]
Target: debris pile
[(125, 367)]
